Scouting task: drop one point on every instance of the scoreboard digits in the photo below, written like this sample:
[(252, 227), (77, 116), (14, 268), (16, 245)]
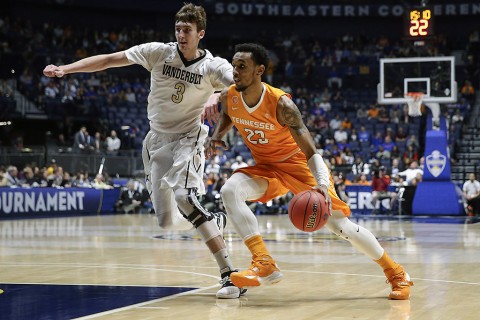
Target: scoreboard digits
[(419, 23)]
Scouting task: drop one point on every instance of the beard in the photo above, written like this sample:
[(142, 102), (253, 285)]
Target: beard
[(240, 88)]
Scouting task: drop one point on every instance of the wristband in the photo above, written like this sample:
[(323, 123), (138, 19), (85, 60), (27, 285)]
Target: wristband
[(319, 170)]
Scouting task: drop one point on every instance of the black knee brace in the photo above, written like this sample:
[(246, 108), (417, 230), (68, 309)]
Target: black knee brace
[(199, 215)]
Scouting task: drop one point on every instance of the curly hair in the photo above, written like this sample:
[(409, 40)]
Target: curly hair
[(193, 14), (259, 53)]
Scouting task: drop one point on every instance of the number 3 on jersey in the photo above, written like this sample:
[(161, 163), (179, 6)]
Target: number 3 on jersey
[(180, 87), (256, 136)]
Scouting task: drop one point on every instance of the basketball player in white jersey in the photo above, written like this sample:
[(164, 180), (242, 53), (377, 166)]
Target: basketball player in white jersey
[(183, 81)]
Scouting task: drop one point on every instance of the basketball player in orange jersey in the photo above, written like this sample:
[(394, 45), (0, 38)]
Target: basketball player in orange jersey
[(286, 160)]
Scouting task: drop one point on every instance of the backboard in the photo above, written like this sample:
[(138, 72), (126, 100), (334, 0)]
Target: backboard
[(432, 76)]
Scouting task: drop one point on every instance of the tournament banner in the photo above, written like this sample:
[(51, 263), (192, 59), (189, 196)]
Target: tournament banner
[(360, 199), (51, 201)]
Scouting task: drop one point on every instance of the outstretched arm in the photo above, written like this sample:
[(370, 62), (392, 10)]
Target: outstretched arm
[(90, 64), (223, 125), (289, 115)]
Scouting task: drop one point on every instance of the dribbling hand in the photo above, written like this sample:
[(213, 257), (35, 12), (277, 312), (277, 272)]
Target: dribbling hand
[(324, 190)]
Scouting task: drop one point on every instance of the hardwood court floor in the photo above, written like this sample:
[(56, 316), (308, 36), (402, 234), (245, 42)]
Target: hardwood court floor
[(112, 267)]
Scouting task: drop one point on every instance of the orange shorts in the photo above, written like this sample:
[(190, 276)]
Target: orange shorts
[(293, 175)]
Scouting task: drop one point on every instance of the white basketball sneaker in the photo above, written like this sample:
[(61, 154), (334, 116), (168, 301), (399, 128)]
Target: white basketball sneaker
[(229, 290)]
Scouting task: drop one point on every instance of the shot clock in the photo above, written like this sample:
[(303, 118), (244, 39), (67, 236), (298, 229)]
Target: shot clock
[(419, 23)]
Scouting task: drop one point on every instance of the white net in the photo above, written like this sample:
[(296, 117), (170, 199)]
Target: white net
[(414, 104)]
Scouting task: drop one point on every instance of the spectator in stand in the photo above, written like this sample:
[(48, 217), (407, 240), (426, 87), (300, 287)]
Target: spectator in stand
[(411, 174), (346, 124), (382, 153), (113, 143), (380, 183), (239, 163), (471, 191), (353, 135), (334, 78), (468, 91), (325, 105), (286, 87), (363, 181), (326, 94), (383, 116), (29, 178), (55, 176), (62, 145), (388, 144), (340, 135), (363, 135), (396, 167), (130, 97), (400, 135), (412, 140), (395, 153), (359, 167), (348, 157), (3, 178), (220, 157), (97, 143), (322, 125), (373, 111), (51, 90), (99, 182), (395, 114), (377, 140), (12, 176), (81, 181), (81, 140), (361, 112), (130, 199), (411, 153), (212, 167), (343, 146), (335, 123), (67, 180)]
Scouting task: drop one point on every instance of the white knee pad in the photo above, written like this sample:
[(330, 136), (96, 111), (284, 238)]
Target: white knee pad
[(238, 189), (362, 239)]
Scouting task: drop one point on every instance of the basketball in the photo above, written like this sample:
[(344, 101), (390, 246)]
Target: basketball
[(308, 211)]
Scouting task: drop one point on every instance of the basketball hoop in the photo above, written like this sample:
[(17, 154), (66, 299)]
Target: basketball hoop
[(414, 100)]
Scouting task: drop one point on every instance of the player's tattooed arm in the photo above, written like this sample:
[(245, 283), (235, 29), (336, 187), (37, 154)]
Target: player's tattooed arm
[(289, 115)]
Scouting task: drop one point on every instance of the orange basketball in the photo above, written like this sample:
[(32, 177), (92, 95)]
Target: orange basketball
[(308, 211)]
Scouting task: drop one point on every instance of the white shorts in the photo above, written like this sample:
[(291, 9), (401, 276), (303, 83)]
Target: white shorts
[(173, 161)]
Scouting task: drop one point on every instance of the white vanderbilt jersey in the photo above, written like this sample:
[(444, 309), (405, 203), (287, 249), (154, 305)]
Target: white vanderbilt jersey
[(179, 88)]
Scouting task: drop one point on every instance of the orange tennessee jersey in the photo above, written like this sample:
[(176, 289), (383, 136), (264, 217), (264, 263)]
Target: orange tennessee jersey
[(259, 126)]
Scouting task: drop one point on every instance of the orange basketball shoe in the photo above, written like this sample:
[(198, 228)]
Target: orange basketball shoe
[(400, 281), (263, 270)]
